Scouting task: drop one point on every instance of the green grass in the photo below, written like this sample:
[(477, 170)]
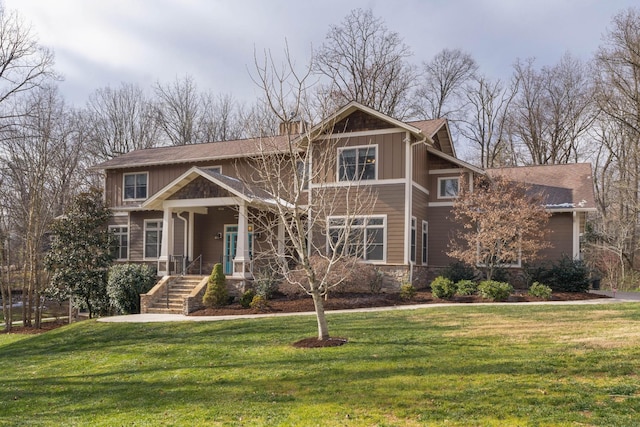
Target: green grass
[(459, 366)]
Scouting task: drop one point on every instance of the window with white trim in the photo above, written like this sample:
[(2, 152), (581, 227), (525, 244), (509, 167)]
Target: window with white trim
[(135, 186), (425, 242), (362, 237), (413, 239), (448, 188), (152, 238), (120, 241), (357, 163)]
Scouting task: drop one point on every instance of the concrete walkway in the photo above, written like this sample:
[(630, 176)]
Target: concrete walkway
[(149, 318)]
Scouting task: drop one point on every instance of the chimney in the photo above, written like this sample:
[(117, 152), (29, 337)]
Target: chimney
[(292, 128)]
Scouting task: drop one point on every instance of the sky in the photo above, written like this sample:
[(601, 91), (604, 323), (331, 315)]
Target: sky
[(99, 43)]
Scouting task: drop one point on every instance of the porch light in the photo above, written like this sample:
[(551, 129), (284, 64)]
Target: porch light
[(218, 236)]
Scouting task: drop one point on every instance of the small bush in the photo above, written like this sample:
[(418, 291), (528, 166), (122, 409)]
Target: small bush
[(458, 271), (539, 290), (258, 303), (494, 290), (407, 291), (564, 275), (466, 287), (126, 282), (216, 294), (443, 288), (266, 283), (246, 298)]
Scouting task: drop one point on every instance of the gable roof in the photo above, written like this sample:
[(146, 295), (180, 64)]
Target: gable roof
[(567, 187), (215, 151), (438, 131), (248, 193)]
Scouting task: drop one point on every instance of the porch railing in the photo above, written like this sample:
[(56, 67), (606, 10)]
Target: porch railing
[(177, 264), (196, 262)]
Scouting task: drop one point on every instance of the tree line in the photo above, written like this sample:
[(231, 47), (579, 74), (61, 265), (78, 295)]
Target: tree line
[(573, 111)]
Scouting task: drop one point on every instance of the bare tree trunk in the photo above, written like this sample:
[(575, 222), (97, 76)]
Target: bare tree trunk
[(318, 304)]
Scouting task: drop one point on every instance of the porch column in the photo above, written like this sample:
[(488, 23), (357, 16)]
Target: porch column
[(190, 235), (242, 261), (166, 245)]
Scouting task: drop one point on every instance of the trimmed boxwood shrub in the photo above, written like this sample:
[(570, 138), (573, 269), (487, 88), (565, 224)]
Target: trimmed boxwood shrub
[(466, 287), (443, 288), (126, 282), (407, 291), (539, 290), (246, 298), (494, 290)]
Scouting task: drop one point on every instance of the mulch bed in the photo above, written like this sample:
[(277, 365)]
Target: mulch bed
[(283, 304)]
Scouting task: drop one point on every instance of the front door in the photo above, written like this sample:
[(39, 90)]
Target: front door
[(230, 243)]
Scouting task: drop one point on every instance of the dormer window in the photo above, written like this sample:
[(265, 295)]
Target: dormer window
[(135, 186), (357, 163)]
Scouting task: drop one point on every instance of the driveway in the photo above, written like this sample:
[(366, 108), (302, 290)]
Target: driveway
[(628, 296)]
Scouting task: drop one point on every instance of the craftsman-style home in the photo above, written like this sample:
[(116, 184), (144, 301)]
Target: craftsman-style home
[(173, 206)]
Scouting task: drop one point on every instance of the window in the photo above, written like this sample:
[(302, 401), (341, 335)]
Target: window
[(357, 163), (362, 237), (135, 186), (152, 238), (302, 169), (121, 241), (425, 242), (448, 187), (413, 239)]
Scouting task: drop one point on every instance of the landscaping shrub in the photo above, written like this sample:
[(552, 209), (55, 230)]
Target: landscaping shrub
[(494, 290), (565, 275), (216, 294), (443, 288), (246, 298), (466, 287), (458, 271), (539, 290), (258, 303), (266, 283), (407, 291), (126, 282)]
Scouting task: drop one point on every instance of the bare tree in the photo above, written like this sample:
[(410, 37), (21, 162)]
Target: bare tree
[(221, 119), (440, 93), (179, 110), (302, 242), (500, 224), (366, 62), (552, 112), (40, 155), (24, 63), (618, 132), (486, 123), (119, 120)]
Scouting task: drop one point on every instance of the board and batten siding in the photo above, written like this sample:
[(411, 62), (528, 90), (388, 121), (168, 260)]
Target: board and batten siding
[(441, 230), (420, 165), (390, 159), (560, 233)]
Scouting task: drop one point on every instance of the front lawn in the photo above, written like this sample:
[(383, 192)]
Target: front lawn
[(461, 366)]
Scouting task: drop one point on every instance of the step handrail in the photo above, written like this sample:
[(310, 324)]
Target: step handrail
[(192, 263)]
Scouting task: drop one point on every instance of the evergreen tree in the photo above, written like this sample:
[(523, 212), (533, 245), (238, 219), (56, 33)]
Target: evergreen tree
[(81, 254), (216, 294)]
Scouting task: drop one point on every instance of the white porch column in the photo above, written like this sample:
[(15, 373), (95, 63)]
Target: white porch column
[(242, 261), (190, 235), (576, 235), (166, 245)]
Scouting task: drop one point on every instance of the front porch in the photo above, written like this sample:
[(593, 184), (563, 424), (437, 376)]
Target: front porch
[(206, 220)]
